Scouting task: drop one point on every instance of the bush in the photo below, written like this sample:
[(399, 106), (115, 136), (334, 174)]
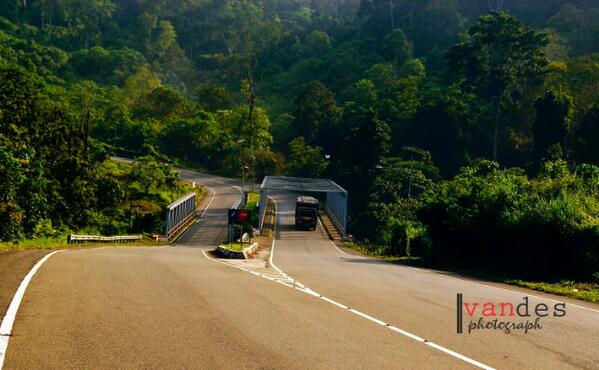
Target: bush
[(547, 227)]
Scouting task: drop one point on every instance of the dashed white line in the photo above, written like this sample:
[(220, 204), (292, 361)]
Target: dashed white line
[(11, 313), (306, 290)]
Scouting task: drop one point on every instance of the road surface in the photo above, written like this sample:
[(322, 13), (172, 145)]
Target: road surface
[(173, 307)]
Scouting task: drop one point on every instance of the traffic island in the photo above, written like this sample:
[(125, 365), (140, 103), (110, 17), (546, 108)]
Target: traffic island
[(236, 251)]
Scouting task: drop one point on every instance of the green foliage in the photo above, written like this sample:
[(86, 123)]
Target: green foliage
[(500, 59), (304, 160), (46, 61), (316, 44), (502, 220), (579, 26), (553, 121), (316, 115), (106, 66), (588, 136), (56, 177), (213, 98), (398, 48), (348, 85), (161, 103)]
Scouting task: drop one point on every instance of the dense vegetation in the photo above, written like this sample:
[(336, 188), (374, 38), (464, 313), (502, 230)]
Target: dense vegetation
[(55, 179), (465, 134)]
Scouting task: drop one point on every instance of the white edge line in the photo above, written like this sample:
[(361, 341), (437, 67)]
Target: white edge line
[(467, 280), (470, 281), (11, 313), (210, 202)]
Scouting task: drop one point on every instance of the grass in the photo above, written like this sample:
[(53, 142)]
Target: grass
[(375, 253), (37, 243), (584, 291), (150, 202), (588, 292), (61, 243), (253, 199), (236, 246)]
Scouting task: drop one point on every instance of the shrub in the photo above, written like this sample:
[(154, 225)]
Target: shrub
[(547, 227)]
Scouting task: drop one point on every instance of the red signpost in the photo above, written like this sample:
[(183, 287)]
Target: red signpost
[(239, 217), (243, 216)]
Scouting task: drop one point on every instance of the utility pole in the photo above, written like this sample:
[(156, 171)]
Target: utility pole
[(241, 165)]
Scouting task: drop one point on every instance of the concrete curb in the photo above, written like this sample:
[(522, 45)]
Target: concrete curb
[(247, 253), (250, 251)]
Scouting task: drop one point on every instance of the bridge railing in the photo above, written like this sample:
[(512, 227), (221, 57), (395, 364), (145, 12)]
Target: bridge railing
[(336, 207), (179, 214)]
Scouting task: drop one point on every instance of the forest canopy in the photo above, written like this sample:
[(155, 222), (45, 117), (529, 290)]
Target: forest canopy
[(437, 116)]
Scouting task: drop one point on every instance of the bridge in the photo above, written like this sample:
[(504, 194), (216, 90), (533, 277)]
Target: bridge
[(336, 197)]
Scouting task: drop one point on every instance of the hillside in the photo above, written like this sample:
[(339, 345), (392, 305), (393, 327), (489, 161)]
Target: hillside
[(457, 126)]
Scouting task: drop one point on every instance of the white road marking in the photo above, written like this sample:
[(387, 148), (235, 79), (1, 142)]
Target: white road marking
[(210, 202), (519, 292), (466, 280), (347, 254), (11, 313), (306, 290)]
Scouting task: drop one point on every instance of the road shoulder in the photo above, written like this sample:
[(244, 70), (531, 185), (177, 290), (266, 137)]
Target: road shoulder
[(476, 280)]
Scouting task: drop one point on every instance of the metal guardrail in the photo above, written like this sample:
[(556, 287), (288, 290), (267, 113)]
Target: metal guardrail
[(78, 239)]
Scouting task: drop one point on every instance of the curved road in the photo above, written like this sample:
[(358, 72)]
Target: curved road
[(172, 307)]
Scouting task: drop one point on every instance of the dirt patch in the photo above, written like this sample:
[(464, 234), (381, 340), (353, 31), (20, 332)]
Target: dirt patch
[(14, 265)]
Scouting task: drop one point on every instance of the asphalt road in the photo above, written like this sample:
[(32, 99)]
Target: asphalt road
[(423, 302), (172, 307)]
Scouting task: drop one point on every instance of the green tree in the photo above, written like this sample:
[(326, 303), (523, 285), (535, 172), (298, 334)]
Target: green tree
[(161, 103), (552, 123), (500, 59), (44, 152), (579, 25), (398, 48), (305, 160), (587, 149), (142, 82), (213, 98), (317, 43), (148, 172), (169, 60), (359, 151), (198, 139), (316, 115), (447, 127), (106, 66), (11, 213)]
